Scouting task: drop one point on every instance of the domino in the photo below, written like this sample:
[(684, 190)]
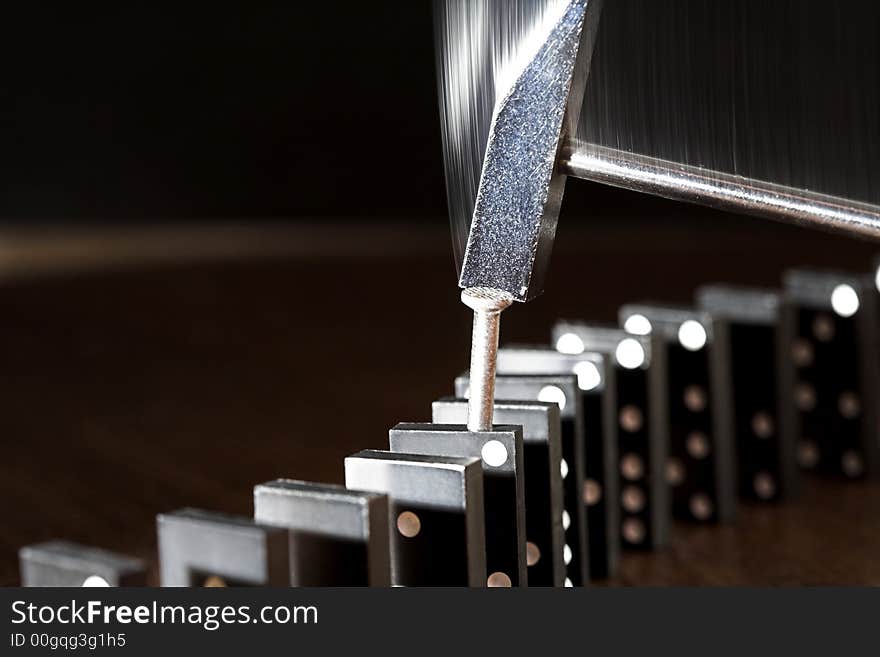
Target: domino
[(500, 452), (701, 467), (337, 537), (751, 368), (62, 563), (642, 423), (831, 379), (545, 517), (203, 548), (596, 385), (437, 515), (563, 391)]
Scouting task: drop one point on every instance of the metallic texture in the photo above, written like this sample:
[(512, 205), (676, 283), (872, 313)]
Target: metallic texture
[(197, 548), (760, 108), (666, 319), (542, 451), (527, 359), (338, 537), (600, 337), (499, 62), (445, 495), (480, 47), (503, 496), (487, 304), (746, 305), (724, 191), (754, 106), (813, 287), (61, 563)]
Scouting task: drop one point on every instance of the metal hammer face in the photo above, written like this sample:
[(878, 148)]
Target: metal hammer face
[(510, 116), (338, 537), (201, 548), (542, 453), (61, 563), (437, 517), (501, 453)]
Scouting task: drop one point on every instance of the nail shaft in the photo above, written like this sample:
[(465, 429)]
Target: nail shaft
[(487, 304)]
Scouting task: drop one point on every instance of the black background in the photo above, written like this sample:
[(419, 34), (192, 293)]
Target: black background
[(145, 111)]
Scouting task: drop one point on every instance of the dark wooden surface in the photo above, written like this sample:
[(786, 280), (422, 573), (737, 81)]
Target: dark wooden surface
[(829, 535), (128, 393)]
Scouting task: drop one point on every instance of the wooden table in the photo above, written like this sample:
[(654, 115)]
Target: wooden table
[(126, 392)]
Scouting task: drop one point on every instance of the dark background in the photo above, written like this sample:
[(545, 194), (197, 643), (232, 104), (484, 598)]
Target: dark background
[(142, 110), (784, 91), (278, 109), (139, 111)]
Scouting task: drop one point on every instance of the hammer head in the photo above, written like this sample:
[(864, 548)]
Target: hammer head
[(511, 77)]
